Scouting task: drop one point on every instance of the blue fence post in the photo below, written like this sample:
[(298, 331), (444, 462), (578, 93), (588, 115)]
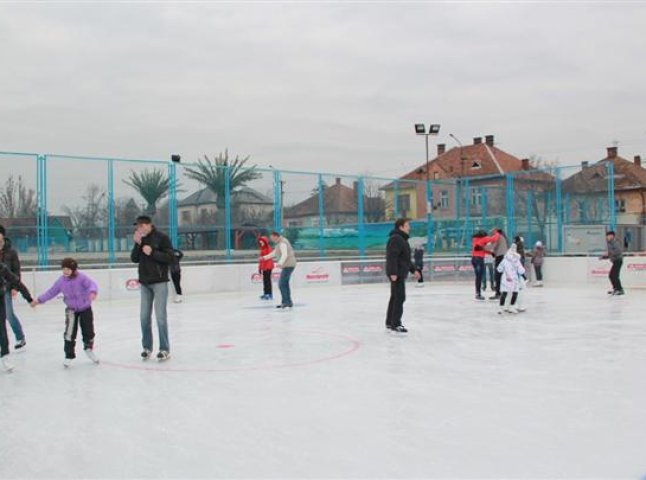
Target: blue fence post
[(172, 204), (467, 215), (484, 200), (41, 220), (321, 218), (227, 211), (111, 229), (612, 220), (559, 211), (429, 218), (509, 203), (528, 212), (360, 220), (278, 201), (396, 200)]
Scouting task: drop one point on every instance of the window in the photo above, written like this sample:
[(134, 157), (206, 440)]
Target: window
[(476, 197), (620, 205), (436, 175), (444, 199), (186, 216), (404, 204)]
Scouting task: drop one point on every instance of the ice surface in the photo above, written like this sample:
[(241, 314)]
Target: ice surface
[(323, 391)]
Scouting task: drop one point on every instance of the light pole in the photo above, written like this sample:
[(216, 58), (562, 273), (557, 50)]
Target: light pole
[(433, 129)]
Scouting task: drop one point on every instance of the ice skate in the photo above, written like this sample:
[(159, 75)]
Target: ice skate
[(178, 299), (20, 344), (521, 309), (6, 365), (399, 329), (145, 355), (163, 355), (501, 310), (479, 297), (619, 292), (91, 355), (512, 309), (67, 363), (419, 285)]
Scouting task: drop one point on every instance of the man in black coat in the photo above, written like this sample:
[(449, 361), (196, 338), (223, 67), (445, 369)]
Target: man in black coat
[(153, 252), (398, 266)]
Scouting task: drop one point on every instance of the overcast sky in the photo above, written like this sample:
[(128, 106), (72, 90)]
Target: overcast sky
[(322, 86)]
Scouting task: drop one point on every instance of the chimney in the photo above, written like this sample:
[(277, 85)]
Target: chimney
[(584, 164), (441, 148), (525, 163), (338, 180), (489, 140), (477, 140), (612, 152), (638, 160)]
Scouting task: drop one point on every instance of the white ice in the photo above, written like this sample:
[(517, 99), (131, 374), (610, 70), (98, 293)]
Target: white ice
[(324, 391)]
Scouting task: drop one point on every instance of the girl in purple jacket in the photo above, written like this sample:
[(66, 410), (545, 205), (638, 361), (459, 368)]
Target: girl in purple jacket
[(79, 291)]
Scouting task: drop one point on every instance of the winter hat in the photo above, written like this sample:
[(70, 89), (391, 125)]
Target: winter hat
[(70, 263), (539, 243)]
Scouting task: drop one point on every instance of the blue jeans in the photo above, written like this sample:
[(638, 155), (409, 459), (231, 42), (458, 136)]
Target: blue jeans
[(154, 294), (283, 284), (11, 317), (479, 269)]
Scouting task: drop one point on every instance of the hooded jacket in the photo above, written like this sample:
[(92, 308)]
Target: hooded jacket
[(265, 249), (511, 270), (398, 261)]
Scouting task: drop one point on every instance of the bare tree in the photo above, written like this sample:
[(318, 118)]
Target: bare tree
[(16, 199), (88, 218)]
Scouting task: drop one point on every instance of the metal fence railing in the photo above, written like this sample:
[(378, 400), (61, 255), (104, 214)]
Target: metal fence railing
[(59, 205)]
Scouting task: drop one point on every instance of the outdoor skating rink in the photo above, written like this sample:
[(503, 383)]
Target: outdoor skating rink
[(323, 391)]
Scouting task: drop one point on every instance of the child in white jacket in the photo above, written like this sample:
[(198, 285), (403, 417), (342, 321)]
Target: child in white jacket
[(510, 282)]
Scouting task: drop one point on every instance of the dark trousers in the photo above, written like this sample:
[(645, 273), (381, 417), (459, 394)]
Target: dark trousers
[(266, 282), (396, 304), (503, 298), (539, 272), (283, 285), (614, 275), (489, 273), (72, 321), (4, 339), (176, 277), (479, 269), (420, 269), (498, 274)]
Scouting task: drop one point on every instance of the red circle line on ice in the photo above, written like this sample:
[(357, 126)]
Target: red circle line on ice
[(354, 345)]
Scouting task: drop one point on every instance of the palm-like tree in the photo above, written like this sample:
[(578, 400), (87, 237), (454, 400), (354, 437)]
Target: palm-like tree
[(152, 185), (212, 174)]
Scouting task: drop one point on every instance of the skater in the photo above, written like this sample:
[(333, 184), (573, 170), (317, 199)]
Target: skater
[(478, 242), (176, 274), (398, 266), (265, 268), (418, 257), (8, 281), (9, 257), (500, 248), (284, 252), (537, 258), (488, 261), (616, 256), (153, 252), (511, 272), (79, 291)]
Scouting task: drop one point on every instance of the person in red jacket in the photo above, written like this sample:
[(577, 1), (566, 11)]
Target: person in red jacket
[(478, 252), (265, 267)]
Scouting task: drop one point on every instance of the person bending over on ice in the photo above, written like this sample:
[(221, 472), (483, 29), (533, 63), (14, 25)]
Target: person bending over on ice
[(79, 291), (8, 281), (511, 272), (287, 262), (398, 266)]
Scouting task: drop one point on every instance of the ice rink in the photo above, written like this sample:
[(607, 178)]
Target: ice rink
[(324, 391)]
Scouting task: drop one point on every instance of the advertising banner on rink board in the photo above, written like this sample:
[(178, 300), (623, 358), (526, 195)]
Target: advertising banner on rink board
[(374, 271), (633, 270)]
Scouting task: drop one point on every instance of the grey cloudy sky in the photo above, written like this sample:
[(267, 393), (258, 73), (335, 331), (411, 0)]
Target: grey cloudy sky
[(316, 86)]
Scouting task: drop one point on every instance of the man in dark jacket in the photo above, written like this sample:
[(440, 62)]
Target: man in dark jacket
[(616, 256), (153, 252), (9, 257), (398, 266)]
